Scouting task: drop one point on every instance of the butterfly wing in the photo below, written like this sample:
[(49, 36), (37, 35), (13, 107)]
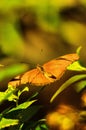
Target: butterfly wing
[(34, 77), (58, 66), (15, 81)]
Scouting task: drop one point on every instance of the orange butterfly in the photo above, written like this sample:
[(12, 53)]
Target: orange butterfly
[(48, 73)]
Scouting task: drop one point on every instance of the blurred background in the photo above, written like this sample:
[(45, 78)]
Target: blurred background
[(36, 31)]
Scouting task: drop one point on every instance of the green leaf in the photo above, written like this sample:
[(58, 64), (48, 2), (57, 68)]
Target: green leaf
[(38, 128), (22, 106), (16, 127), (12, 71), (24, 115), (76, 67), (21, 91), (78, 50), (44, 126), (28, 113), (80, 85), (41, 125), (7, 122), (34, 96), (27, 117), (67, 84), (22, 112), (8, 95), (20, 128)]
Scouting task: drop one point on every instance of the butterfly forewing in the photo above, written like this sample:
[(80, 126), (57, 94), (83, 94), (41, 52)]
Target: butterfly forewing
[(29, 76), (34, 77), (58, 66)]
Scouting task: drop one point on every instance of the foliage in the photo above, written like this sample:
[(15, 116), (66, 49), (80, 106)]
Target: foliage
[(17, 116), (7, 122), (73, 79), (20, 116)]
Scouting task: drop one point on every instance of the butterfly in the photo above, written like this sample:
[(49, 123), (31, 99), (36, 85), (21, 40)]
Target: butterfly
[(47, 73)]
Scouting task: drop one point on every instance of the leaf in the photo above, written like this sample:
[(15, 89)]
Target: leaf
[(34, 95), (67, 84), (21, 91), (21, 126), (7, 122), (80, 85), (13, 70), (22, 112), (28, 113), (16, 127), (24, 115), (76, 67), (44, 127), (8, 95), (78, 50), (38, 128), (41, 125), (22, 106)]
